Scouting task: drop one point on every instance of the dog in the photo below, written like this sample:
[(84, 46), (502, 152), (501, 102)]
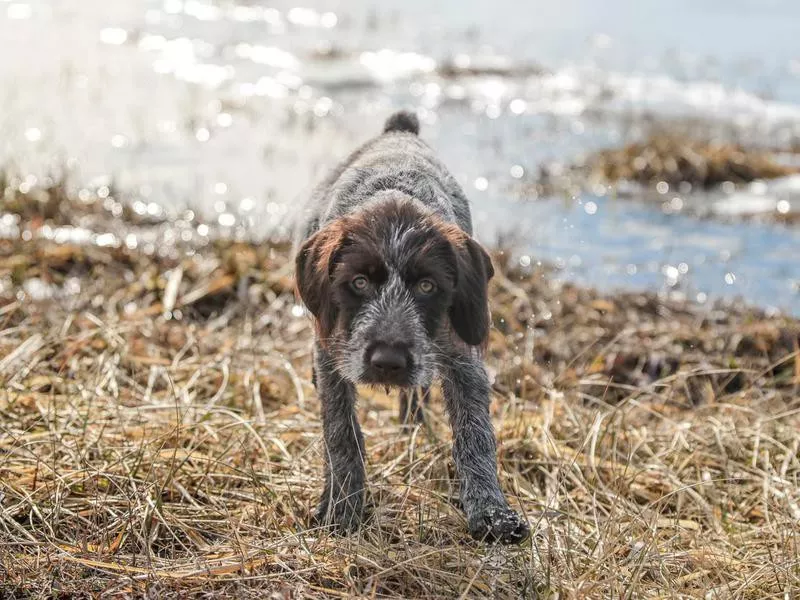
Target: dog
[(387, 265)]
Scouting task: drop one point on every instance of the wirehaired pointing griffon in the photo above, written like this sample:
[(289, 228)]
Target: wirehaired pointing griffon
[(398, 289)]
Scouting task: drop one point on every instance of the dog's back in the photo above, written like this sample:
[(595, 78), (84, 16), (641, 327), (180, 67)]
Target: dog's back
[(397, 161)]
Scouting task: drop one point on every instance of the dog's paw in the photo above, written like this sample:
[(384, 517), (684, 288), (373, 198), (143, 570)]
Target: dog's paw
[(344, 516), (498, 524)]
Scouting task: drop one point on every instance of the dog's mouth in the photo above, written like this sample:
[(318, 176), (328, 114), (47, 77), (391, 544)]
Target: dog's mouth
[(404, 378)]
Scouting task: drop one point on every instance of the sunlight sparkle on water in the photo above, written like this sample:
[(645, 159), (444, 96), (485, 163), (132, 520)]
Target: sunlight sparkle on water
[(308, 17), (267, 55), (671, 274), (19, 11), (113, 35), (202, 11), (517, 106), (388, 64), (119, 141)]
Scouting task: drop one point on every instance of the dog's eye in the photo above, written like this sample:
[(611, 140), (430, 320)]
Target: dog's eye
[(359, 283), (426, 287)]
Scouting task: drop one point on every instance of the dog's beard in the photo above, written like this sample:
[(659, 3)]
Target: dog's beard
[(351, 366), (351, 358)]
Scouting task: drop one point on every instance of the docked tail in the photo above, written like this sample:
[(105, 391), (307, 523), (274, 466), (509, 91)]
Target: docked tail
[(402, 120)]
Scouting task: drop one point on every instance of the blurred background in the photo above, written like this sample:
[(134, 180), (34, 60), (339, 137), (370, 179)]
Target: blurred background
[(632, 145)]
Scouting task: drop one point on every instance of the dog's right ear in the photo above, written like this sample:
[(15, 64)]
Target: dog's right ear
[(469, 313), (313, 269)]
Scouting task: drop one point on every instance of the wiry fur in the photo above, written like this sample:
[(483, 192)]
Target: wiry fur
[(392, 216)]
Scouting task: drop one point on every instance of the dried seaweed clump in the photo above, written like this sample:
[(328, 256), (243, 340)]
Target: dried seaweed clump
[(677, 159)]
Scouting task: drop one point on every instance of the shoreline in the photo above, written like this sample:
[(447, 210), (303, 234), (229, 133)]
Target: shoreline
[(100, 217)]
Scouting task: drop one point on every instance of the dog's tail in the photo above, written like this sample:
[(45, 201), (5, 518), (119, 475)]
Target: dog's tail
[(403, 120)]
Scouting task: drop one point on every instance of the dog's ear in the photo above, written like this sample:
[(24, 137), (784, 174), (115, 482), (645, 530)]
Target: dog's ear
[(313, 269), (469, 312)]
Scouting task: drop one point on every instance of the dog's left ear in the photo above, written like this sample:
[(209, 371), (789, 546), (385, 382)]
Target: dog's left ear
[(313, 265), (469, 313)]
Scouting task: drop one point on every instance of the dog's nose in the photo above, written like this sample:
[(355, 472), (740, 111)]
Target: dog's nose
[(389, 360)]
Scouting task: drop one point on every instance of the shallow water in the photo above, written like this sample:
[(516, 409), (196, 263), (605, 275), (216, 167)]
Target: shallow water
[(235, 108)]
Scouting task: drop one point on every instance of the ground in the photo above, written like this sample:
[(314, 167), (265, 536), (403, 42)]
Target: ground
[(160, 437)]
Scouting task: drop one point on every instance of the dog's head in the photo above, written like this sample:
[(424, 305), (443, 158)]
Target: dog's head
[(387, 284)]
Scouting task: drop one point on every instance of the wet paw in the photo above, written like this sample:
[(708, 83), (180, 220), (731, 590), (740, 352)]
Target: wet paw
[(498, 524)]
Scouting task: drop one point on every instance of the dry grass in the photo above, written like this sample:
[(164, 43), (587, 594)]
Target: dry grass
[(652, 445)]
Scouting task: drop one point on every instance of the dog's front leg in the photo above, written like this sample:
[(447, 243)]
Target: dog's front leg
[(342, 501), (465, 386)]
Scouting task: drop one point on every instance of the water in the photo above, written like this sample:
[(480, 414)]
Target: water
[(235, 108)]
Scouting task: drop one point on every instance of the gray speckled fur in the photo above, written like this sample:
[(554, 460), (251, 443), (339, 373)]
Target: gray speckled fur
[(396, 161), (396, 165)]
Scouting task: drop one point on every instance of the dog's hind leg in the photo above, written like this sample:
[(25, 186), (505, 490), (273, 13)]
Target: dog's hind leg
[(412, 405), (314, 375)]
